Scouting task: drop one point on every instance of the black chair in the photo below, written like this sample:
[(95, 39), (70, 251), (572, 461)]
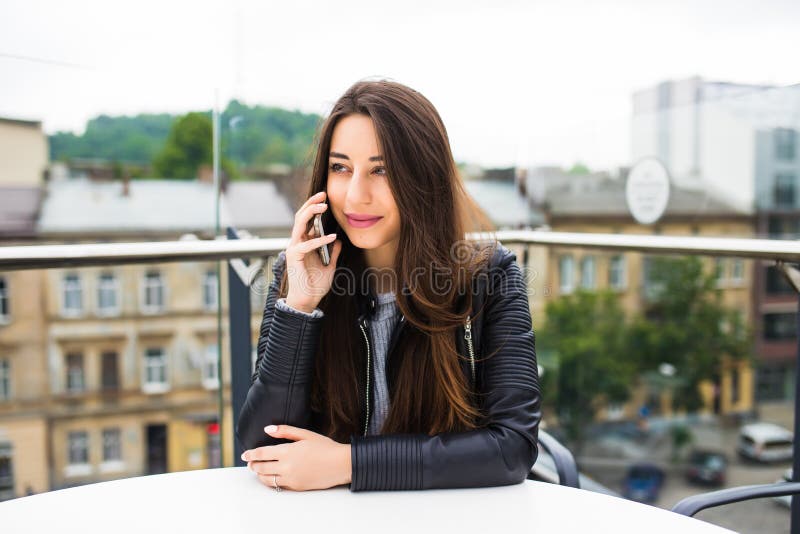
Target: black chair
[(566, 470)]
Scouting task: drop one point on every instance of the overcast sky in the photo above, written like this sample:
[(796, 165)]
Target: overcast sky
[(516, 82)]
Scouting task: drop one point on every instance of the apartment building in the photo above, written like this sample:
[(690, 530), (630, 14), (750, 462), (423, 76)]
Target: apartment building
[(741, 142), (595, 203), (111, 371)]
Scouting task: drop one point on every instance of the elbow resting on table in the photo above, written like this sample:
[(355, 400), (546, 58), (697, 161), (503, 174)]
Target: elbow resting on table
[(520, 455)]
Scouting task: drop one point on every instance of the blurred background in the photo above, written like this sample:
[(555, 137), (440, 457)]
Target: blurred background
[(654, 368)]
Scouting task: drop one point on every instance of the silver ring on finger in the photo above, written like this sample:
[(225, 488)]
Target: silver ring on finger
[(275, 483)]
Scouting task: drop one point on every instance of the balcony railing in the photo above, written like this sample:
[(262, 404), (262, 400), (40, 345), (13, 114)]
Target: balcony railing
[(14, 258), (233, 249)]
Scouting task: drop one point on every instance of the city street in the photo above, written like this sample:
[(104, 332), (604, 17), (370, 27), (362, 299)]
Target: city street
[(760, 516)]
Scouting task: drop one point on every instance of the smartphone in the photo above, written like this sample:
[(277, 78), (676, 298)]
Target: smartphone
[(324, 254)]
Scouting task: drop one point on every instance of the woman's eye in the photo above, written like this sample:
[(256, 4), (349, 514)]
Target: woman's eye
[(336, 167)]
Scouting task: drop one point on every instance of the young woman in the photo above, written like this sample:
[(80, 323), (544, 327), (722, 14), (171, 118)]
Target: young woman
[(408, 362)]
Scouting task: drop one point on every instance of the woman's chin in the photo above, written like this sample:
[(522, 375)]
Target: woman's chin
[(362, 241)]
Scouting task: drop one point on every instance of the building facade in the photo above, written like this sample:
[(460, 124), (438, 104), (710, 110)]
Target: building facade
[(741, 142), (110, 372), (595, 203)]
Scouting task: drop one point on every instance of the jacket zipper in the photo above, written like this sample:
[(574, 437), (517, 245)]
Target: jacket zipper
[(468, 339), (363, 326)]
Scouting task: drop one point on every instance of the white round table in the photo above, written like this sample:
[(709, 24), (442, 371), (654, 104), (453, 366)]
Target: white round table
[(233, 500)]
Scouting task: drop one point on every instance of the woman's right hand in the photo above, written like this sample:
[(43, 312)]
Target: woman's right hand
[(309, 280)]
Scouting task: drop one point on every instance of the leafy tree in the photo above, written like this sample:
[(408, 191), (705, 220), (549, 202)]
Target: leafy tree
[(130, 139), (687, 325), (586, 333), (260, 135), (188, 146), (579, 168), (250, 136)]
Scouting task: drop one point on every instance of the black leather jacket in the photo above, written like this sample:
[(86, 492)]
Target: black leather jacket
[(500, 453)]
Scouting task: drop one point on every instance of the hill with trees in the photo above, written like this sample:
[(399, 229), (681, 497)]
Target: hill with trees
[(252, 136)]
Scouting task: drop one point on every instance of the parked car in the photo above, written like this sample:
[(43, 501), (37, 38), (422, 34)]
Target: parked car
[(765, 442), (785, 500), (706, 467), (643, 482)]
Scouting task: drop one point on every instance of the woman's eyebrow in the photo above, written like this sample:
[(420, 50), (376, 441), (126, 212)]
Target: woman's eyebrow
[(344, 156)]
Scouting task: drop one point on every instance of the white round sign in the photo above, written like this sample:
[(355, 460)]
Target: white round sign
[(647, 190)]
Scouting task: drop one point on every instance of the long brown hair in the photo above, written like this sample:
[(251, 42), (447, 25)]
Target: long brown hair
[(431, 393)]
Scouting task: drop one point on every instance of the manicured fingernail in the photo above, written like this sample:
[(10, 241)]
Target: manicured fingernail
[(244, 459), (270, 428), (332, 236)]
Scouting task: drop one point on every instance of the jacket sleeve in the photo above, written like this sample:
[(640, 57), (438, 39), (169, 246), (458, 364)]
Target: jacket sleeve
[(502, 452), (280, 387)]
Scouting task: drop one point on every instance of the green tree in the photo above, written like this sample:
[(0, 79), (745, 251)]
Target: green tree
[(579, 168), (686, 324), (126, 139), (188, 146), (276, 150), (250, 136), (586, 333), (259, 135)]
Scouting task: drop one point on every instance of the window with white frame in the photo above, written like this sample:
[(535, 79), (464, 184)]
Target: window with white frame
[(153, 292), (651, 287), (719, 269), (5, 379), (107, 294), (587, 272), (109, 371), (566, 274), (75, 378), (210, 374), (737, 270), (112, 445), (155, 370), (78, 444), (616, 272), (5, 312), (72, 295), (210, 290)]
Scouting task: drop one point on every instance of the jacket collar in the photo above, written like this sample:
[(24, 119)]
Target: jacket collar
[(367, 302)]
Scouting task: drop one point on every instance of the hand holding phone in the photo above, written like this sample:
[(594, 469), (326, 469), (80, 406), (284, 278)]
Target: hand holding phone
[(324, 254), (310, 273)]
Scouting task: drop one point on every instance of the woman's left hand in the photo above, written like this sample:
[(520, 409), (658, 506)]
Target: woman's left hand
[(312, 462)]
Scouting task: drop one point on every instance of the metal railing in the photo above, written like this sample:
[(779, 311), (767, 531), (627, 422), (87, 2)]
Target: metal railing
[(783, 253), (85, 255)]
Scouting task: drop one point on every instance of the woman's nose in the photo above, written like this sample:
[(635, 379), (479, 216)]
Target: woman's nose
[(358, 191)]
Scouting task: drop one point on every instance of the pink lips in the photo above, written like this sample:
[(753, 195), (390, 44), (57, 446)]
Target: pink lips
[(358, 223)]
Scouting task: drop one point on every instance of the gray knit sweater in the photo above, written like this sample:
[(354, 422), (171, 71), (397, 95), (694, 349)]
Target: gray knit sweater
[(380, 328)]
